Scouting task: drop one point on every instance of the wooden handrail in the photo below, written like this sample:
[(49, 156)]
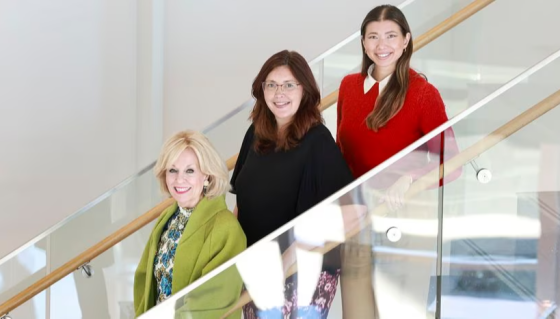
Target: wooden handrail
[(329, 101), (154, 213), (230, 163)]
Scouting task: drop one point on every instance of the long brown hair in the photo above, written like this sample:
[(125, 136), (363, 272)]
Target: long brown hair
[(307, 115), (391, 100)]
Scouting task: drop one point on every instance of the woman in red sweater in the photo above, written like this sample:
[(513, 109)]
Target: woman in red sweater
[(381, 111), (388, 106)]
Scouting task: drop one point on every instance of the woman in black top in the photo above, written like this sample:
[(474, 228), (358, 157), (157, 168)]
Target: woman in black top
[(288, 163)]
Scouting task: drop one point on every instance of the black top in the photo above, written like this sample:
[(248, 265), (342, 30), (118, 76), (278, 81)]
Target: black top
[(274, 187)]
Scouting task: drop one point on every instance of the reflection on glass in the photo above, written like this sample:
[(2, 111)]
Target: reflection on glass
[(108, 292), (501, 238), (263, 275), (20, 272), (333, 248)]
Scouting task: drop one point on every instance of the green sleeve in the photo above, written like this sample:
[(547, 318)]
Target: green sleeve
[(217, 295), (140, 283), (144, 297)]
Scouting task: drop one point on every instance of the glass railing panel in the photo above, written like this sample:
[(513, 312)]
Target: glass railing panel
[(103, 219), (33, 308), (108, 292), (501, 226), (76, 235), (317, 69), (473, 59), (423, 15), (396, 247), (343, 61), (227, 134), (20, 272)]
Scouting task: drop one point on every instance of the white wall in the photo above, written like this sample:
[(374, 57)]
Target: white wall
[(83, 87), (80, 105), (214, 49)]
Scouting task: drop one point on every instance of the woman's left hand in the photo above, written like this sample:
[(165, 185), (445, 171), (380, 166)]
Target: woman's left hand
[(394, 196)]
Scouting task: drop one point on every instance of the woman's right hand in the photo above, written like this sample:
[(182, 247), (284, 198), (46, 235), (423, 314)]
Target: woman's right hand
[(394, 196)]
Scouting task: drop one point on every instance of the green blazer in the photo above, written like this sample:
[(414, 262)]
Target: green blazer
[(212, 236)]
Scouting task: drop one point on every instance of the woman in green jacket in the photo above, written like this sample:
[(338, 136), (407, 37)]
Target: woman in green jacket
[(194, 235)]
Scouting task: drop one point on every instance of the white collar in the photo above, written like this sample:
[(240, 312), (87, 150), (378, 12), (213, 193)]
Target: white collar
[(369, 82)]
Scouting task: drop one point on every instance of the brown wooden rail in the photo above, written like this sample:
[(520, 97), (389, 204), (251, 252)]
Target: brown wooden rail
[(154, 213)]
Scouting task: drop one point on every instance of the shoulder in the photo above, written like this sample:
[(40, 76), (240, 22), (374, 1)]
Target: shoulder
[(248, 139), (225, 217), (319, 140), (226, 223), (419, 86), (352, 79), (421, 92), (319, 132), (250, 131), (226, 228)]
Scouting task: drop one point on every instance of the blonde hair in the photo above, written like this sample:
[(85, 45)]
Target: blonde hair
[(208, 159)]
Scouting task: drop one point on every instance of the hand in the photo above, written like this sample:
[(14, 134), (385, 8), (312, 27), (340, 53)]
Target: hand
[(394, 196)]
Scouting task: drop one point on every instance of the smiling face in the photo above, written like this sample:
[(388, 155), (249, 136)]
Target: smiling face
[(384, 44), (283, 103), (185, 180)]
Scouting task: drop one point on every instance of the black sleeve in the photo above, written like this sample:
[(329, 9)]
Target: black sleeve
[(245, 148), (325, 172)]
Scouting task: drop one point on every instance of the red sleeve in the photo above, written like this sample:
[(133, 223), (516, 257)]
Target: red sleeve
[(431, 115)]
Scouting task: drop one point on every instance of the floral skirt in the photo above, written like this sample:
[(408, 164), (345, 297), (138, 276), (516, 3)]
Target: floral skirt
[(318, 309)]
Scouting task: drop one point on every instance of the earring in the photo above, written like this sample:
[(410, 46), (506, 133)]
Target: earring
[(205, 187)]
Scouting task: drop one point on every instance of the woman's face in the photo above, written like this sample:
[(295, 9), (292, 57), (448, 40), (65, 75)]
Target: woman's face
[(185, 180), (282, 94), (384, 44)]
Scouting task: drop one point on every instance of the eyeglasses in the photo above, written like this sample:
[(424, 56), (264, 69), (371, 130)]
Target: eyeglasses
[(286, 87)]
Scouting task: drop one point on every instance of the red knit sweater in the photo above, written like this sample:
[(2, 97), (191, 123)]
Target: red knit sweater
[(364, 149)]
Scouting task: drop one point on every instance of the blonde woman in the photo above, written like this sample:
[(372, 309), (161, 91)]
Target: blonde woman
[(194, 235)]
